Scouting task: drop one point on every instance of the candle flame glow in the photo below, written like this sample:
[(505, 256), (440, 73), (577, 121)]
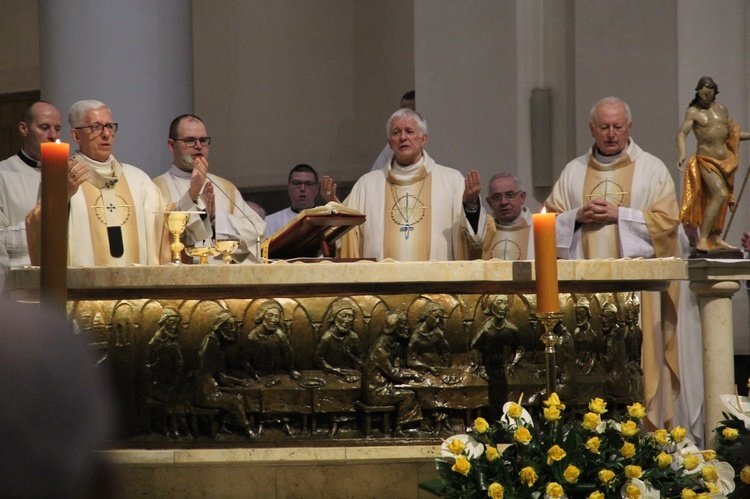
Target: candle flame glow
[(544, 209), (57, 141)]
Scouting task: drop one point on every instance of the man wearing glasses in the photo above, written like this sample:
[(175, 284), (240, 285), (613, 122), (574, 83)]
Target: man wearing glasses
[(115, 210), (509, 236), (303, 191), (227, 215)]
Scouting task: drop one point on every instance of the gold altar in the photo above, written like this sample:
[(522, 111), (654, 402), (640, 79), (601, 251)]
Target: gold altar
[(120, 308)]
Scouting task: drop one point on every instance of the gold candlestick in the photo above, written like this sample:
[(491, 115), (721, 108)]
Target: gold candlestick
[(550, 340)]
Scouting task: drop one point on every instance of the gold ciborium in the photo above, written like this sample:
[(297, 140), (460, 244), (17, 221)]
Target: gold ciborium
[(176, 222), (202, 252), (226, 247)]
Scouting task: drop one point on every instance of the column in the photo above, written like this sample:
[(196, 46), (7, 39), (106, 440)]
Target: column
[(135, 56), (715, 299)]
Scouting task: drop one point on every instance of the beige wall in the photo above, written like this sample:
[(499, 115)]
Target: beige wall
[(282, 83), (19, 46)]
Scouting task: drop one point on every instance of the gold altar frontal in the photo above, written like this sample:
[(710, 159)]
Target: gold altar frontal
[(120, 309)]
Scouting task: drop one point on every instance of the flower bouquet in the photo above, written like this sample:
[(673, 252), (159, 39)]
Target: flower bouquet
[(733, 438), (592, 458)]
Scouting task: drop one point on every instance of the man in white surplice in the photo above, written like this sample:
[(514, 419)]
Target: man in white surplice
[(416, 209), (20, 176), (227, 215), (115, 211), (619, 201)]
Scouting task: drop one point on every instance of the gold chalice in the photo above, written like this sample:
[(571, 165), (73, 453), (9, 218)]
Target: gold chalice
[(176, 222), (226, 247), (202, 252)]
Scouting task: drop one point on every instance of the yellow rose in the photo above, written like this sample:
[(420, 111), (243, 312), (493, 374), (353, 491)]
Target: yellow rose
[(688, 494), (661, 436), (462, 465), (606, 476), (663, 459), (522, 435), (598, 406), (555, 490), (496, 491), (629, 428), (456, 446), (593, 444), (709, 455), (709, 474), (552, 413), (636, 411), (571, 474), (596, 495), (491, 453), (678, 434), (555, 453), (554, 401), (590, 421), (480, 424), (627, 450), (745, 475), (704, 495), (528, 476), (712, 488), (633, 471), (515, 411), (730, 433), (690, 462), (632, 492)]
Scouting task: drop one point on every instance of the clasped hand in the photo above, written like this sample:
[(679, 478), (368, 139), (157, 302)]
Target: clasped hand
[(597, 210)]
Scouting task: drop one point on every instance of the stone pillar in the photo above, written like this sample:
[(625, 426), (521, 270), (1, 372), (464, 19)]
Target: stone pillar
[(715, 298), (135, 56)]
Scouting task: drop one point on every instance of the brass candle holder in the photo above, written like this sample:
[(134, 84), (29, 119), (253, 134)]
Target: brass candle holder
[(550, 340)]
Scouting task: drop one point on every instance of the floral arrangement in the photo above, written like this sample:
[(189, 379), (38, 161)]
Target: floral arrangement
[(592, 458), (733, 438)]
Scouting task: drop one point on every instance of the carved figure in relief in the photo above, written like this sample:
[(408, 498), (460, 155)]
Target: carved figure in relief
[(340, 348), (428, 350), (165, 371), (615, 356), (268, 349), (496, 346), (633, 333), (384, 374), (587, 341), (213, 378)]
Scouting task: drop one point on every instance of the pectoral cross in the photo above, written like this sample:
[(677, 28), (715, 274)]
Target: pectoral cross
[(406, 228)]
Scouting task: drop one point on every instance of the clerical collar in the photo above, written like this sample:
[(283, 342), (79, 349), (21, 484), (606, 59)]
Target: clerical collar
[(512, 222), (180, 173), (403, 172), (608, 160), (295, 210), (28, 160)]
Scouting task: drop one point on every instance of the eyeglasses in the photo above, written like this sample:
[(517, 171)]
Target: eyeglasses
[(510, 196), (299, 183), (97, 128), (191, 141)]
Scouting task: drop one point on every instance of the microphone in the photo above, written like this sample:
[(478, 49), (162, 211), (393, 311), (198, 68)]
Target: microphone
[(189, 162)]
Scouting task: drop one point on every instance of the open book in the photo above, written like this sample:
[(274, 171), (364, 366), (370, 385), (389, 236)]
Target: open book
[(311, 233)]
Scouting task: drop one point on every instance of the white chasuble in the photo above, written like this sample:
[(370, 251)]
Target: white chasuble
[(406, 232), (612, 182), (512, 241)]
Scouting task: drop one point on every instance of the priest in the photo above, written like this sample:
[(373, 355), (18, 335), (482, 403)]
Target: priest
[(115, 210), (619, 201), (509, 234), (227, 215), (20, 176), (416, 209)]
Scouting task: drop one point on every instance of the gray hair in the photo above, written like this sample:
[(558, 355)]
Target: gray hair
[(608, 101), (519, 184), (406, 113), (79, 110)]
